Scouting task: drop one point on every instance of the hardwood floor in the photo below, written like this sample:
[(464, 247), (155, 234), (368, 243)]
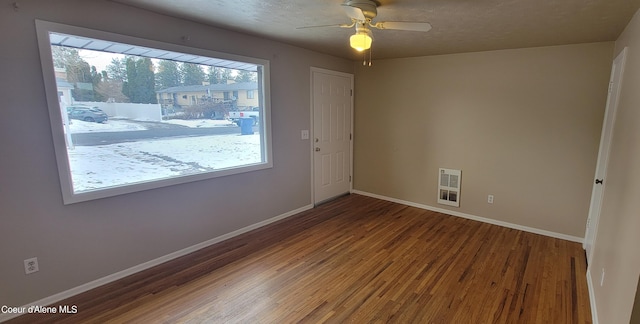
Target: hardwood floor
[(358, 260)]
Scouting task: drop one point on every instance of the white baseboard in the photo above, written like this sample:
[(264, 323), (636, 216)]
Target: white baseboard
[(592, 298), (476, 218), (149, 264)]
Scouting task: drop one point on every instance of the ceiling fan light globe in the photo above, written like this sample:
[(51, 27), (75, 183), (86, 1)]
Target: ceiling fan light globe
[(360, 41)]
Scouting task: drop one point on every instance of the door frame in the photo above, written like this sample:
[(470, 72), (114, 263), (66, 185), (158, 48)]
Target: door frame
[(312, 128), (604, 149)]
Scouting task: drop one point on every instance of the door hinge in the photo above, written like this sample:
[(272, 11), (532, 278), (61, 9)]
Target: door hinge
[(610, 86), (350, 136), (349, 178), (352, 92)]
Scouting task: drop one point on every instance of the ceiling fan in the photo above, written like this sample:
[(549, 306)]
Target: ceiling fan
[(362, 13)]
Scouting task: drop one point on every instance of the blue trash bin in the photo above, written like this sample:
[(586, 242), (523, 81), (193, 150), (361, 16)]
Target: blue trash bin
[(246, 126)]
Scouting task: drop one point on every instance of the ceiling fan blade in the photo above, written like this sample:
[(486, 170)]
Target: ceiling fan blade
[(404, 25), (323, 26), (353, 12)]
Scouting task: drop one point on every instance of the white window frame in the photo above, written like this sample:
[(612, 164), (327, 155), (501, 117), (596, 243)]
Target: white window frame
[(43, 29)]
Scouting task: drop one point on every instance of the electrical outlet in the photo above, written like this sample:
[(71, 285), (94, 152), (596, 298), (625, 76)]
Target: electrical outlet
[(602, 278), (490, 199), (31, 266)]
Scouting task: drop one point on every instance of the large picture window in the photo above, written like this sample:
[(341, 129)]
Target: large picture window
[(130, 114)]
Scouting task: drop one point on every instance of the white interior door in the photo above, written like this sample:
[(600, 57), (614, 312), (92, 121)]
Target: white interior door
[(332, 110), (603, 154)]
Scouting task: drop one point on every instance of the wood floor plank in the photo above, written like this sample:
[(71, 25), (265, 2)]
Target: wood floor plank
[(355, 259)]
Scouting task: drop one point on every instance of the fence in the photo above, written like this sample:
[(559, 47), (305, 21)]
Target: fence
[(151, 112)]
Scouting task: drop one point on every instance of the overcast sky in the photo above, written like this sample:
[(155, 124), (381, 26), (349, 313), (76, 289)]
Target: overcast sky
[(98, 59)]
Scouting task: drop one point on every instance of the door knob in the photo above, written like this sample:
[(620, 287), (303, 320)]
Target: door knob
[(317, 149)]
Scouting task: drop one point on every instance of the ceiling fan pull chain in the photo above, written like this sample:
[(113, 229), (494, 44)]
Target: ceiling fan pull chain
[(370, 51)]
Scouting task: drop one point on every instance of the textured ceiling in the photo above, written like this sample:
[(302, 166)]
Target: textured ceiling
[(458, 25)]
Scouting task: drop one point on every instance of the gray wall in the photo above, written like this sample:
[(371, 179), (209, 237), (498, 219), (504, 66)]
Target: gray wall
[(522, 125), (78, 243)]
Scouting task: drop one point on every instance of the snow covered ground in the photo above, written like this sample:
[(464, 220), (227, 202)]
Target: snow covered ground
[(113, 125), (96, 167), (199, 123), (124, 125)]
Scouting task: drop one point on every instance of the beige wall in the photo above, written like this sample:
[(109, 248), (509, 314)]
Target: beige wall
[(78, 243), (523, 125), (244, 101), (618, 237)]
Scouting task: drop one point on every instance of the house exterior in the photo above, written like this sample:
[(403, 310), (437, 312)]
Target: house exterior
[(64, 87), (242, 96), (64, 92)]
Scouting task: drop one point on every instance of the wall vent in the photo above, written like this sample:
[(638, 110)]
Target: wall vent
[(449, 187)]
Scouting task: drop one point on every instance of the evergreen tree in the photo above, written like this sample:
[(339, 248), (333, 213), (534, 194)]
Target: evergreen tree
[(168, 74), (148, 81), (246, 76), (117, 70), (218, 75), (192, 74), (214, 75), (140, 84), (129, 85), (226, 75), (96, 79)]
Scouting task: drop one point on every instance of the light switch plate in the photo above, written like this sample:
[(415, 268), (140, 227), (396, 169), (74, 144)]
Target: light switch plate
[(304, 134)]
